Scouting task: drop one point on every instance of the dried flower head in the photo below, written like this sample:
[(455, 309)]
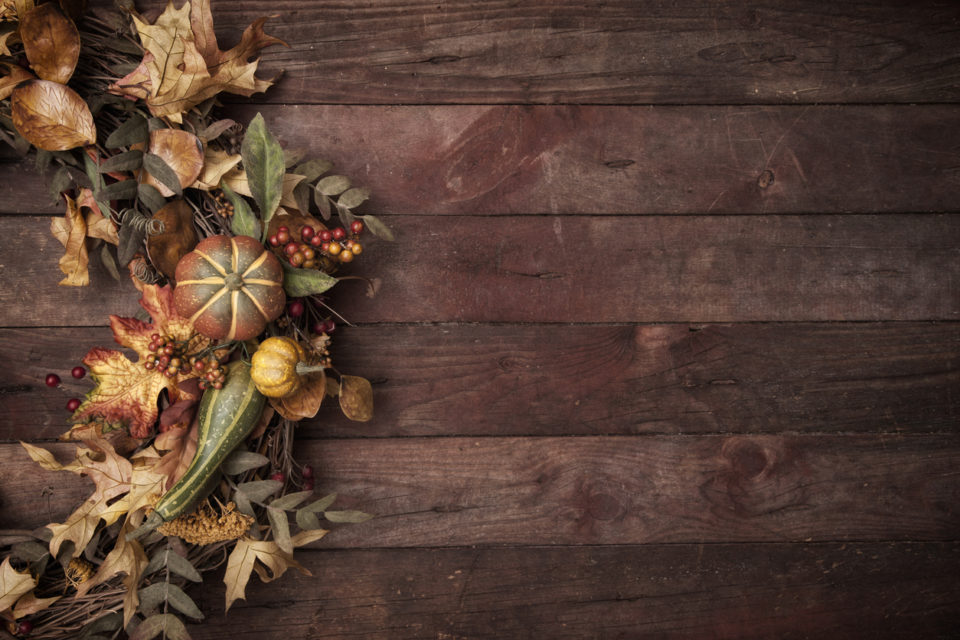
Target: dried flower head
[(205, 526)]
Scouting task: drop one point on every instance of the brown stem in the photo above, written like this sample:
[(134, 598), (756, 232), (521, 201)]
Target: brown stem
[(303, 368)]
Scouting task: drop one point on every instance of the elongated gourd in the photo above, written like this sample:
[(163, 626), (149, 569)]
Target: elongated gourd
[(226, 418)]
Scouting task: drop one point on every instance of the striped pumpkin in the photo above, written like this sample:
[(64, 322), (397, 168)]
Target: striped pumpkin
[(229, 287)]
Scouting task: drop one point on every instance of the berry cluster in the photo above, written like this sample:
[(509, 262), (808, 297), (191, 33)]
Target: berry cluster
[(166, 355), (213, 374), (222, 205), (337, 245)]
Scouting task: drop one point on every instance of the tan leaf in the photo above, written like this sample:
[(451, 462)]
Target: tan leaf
[(305, 402), (243, 560), (201, 24), (51, 116), (177, 239), (29, 604), (78, 528), (216, 163), (237, 180), (182, 151), (136, 84), (15, 74), (13, 584), (98, 226), (180, 443), (127, 557), (51, 42), (356, 398), (4, 47), (71, 231), (14, 9)]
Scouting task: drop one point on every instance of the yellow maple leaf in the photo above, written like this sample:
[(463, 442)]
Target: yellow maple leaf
[(273, 562), (13, 584)]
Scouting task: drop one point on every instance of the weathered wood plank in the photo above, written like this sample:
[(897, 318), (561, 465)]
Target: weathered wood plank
[(481, 160), (582, 380), (612, 490), (663, 591), (587, 269), (551, 51)]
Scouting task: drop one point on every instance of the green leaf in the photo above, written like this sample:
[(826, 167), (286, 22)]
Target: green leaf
[(159, 169), (312, 169), (301, 194), (60, 182), (155, 124), (93, 173), (291, 500), (377, 228), (123, 190), (346, 216), (166, 623), (244, 222), (281, 528), (153, 596), (215, 129), (322, 504), (293, 156), (333, 185), (109, 262), (260, 490), (323, 203), (263, 161), (353, 198), (152, 198), (308, 520), (175, 563), (346, 516), (243, 503), (240, 461), (104, 624), (43, 160), (133, 131), (300, 283), (126, 161)]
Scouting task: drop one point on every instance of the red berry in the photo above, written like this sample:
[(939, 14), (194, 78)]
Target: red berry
[(283, 228), (326, 235), (291, 248), (24, 628), (279, 476), (73, 404), (297, 259), (329, 325), (283, 237), (52, 380), (317, 327), (339, 233), (308, 484), (274, 241), (295, 309), (306, 233), (78, 372), (316, 241), (155, 337), (356, 226), (307, 471)]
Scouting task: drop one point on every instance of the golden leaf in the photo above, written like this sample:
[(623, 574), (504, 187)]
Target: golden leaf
[(236, 179), (29, 604), (98, 226), (51, 116), (51, 42), (274, 562), (305, 402), (182, 151), (177, 239), (71, 231), (13, 584), (216, 163), (14, 9), (4, 49), (126, 557), (15, 75), (356, 398)]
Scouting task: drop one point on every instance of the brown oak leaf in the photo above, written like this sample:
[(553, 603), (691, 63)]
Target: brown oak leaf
[(82, 220)]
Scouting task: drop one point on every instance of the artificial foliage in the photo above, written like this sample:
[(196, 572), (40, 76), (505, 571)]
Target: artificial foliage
[(233, 243)]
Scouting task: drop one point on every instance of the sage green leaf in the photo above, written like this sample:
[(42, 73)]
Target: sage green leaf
[(353, 198), (151, 197), (215, 129), (244, 222), (155, 124), (133, 131), (159, 169), (301, 194), (323, 203), (43, 160), (175, 563), (60, 182), (293, 156), (308, 520), (312, 169), (93, 173), (123, 190), (153, 596), (322, 504), (109, 262), (131, 235), (263, 161), (346, 216), (122, 69), (291, 500), (281, 528), (260, 490), (240, 461), (377, 227), (346, 516), (300, 283), (29, 551), (166, 623), (243, 503), (108, 623), (126, 161), (333, 185)]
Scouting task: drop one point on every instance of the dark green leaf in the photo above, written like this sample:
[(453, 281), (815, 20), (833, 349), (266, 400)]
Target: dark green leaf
[(281, 528), (322, 504), (182, 567), (312, 169), (152, 198), (346, 516), (133, 131), (263, 161), (93, 173), (109, 262), (43, 160), (299, 283), (155, 124), (123, 190), (123, 68), (308, 520), (323, 203), (29, 551), (244, 222), (104, 624), (291, 500), (333, 185), (165, 623), (60, 182), (160, 170), (132, 232), (377, 228), (215, 129), (353, 198), (240, 461), (260, 490), (126, 161), (156, 594)]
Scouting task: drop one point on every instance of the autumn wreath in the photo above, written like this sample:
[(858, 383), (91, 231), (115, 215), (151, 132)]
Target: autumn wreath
[(233, 243)]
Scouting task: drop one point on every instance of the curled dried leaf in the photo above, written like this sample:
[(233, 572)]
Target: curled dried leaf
[(356, 398), (177, 239), (181, 151), (15, 74), (51, 42), (51, 116), (305, 402)]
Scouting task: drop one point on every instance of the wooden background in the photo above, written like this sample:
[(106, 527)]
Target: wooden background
[(668, 343)]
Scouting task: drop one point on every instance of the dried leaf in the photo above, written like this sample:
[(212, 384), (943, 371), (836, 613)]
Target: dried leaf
[(333, 185), (29, 604), (281, 528), (377, 227), (215, 129), (133, 131), (263, 161), (259, 490), (240, 461), (71, 231), (346, 516), (216, 164), (14, 75), (51, 42), (300, 283), (306, 401), (13, 584), (180, 443), (275, 562), (352, 198), (356, 398), (51, 116), (126, 557), (179, 150), (163, 623), (177, 239), (236, 179)]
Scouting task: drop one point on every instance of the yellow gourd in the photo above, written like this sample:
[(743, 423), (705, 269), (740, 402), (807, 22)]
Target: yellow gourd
[(277, 366)]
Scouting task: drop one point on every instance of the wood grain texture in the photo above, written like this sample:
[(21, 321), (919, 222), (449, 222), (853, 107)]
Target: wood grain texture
[(550, 51), (587, 269), (483, 160), (611, 490), (663, 591), (556, 380)]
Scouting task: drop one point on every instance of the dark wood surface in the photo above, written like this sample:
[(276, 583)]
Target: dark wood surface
[(668, 345)]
